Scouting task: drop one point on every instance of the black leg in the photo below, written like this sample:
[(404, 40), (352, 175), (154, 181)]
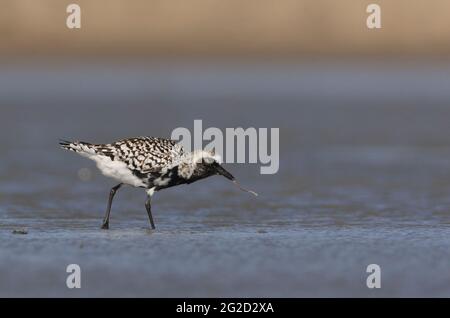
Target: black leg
[(148, 206), (105, 224)]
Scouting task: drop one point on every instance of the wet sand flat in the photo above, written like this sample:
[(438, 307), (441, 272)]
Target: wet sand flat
[(364, 178)]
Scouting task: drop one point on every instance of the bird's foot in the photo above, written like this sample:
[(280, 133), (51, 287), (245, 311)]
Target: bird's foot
[(105, 226)]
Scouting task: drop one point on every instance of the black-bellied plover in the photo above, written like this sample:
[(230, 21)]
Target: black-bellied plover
[(150, 163)]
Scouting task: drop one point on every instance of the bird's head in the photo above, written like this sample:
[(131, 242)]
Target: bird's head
[(207, 163)]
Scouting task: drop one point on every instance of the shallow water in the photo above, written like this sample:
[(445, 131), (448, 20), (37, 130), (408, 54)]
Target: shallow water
[(364, 178)]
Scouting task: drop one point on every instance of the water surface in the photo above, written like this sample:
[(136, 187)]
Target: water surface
[(364, 178)]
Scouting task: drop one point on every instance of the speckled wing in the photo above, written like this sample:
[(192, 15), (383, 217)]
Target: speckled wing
[(143, 155)]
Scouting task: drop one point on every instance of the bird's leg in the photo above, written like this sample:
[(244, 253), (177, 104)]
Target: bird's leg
[(113, 191), (148, 206)]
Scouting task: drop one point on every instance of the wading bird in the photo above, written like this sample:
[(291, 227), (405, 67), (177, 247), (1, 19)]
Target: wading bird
[(150, 163)]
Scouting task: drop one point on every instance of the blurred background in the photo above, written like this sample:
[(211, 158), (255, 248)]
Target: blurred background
[(364, 147), (214, 28)]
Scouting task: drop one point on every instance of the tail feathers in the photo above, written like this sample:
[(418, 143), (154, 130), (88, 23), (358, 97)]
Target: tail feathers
[(78, 146), (65, 143)]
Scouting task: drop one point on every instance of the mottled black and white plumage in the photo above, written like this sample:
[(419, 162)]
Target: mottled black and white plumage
[(150, 163)]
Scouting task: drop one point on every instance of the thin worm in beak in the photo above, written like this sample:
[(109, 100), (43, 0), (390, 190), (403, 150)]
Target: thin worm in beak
[(243, 189)]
